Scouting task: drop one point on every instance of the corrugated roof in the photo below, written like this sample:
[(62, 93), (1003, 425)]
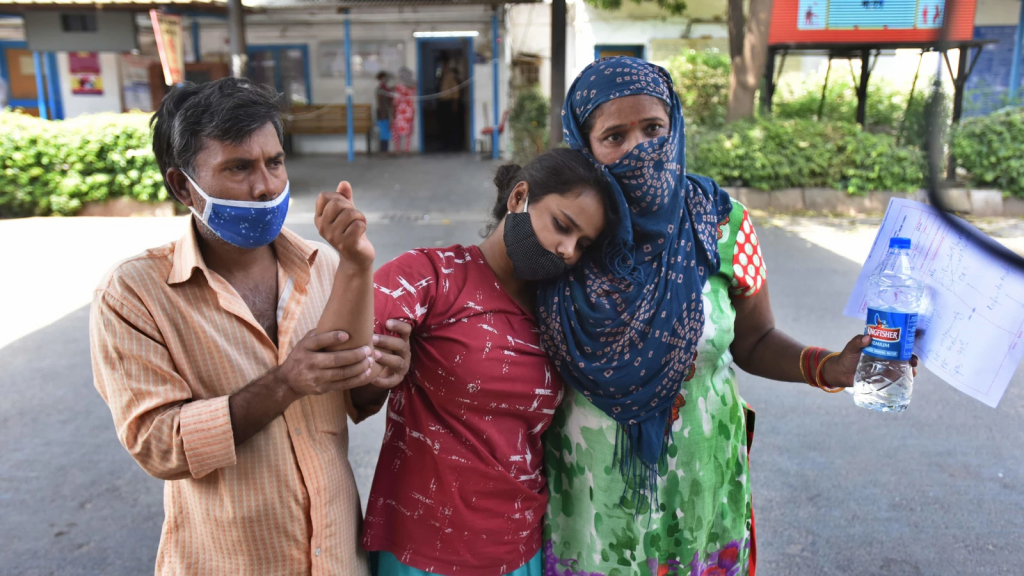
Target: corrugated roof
[(108, 2), (257, 5), (291, 4), (133, 5)]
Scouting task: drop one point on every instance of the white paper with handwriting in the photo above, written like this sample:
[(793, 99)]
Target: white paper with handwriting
[(973, 317)]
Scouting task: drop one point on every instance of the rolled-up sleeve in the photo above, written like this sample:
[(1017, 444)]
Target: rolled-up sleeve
[(207, 435), (170, 434)]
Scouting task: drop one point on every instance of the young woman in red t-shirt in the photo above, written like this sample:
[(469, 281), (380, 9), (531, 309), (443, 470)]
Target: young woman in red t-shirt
[(459, 486)]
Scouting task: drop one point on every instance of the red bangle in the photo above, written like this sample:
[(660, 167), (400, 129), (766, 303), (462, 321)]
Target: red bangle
[(810, 358)]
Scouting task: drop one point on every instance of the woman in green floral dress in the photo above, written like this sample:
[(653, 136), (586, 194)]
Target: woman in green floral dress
[(647, 455)]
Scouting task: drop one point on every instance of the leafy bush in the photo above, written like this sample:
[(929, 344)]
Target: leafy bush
[(776, 154), (886, 111), (701, 78), (529, 123), (53, 167), (991, 149)]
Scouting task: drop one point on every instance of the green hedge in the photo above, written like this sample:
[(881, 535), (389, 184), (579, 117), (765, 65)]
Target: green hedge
[(991, 150), (53, 167), (701, 79), (776, 154), (529, 123)]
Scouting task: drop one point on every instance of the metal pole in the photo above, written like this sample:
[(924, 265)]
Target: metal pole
[(51, 87), (495, 136), (196, 54), (348, 90), (958, 84), (910, 101), (958, 101), (862, 88), (557, 70), (824, 88), (236, 39), (40, 85), (769, 83), (1018, 39)]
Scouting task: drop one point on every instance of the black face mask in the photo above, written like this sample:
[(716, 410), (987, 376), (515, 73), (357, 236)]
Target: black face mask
[(530, 260)]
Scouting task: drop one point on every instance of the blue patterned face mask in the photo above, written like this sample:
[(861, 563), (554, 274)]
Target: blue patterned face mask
[(240, 223)]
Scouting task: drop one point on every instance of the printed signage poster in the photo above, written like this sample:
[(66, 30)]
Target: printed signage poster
[(85, 73), (167, 29)]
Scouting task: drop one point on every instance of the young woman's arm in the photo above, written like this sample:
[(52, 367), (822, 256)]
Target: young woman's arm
[(350, 306)]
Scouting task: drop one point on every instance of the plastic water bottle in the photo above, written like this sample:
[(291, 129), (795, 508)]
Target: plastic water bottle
[(884, 378)]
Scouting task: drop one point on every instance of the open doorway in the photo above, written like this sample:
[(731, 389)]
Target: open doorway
[(446, 101)]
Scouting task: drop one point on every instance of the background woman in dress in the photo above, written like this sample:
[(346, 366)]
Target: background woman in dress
[(404, 111), (647, 457)]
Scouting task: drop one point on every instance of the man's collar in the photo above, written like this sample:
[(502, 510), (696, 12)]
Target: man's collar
[(294, 254), (187, 257)]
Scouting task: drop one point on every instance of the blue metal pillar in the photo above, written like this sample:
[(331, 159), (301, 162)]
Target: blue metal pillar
[(1018, 39), (53, 87), (348, 89), (497, 92), (37, 58), (195, 42), (51, 91)]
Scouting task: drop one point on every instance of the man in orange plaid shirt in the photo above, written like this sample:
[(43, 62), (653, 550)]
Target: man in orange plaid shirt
[(205, 352)]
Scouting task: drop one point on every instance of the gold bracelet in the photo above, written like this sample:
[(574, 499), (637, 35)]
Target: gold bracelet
[(802, 371), (817, 376)]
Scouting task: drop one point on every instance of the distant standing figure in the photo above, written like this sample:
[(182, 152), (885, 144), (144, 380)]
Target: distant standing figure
[(405, 110), (450, 95), (383, 110)]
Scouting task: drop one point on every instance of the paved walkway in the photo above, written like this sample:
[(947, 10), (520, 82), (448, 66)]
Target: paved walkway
[(936, 490)]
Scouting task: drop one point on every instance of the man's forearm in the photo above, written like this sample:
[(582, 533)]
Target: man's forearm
[(256, 405)]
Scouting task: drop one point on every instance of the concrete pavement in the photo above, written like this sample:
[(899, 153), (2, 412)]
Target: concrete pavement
[(838, 490)]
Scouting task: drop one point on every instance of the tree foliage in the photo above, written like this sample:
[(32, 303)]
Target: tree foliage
[(675, 7)]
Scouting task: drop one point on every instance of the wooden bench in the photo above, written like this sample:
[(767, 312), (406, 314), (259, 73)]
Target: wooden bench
[(330, 119)]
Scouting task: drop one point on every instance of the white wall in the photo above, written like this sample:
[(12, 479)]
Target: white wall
[(383, 25), (109, 101), (997, 13), (529, 32), (587, 27), (639, 25)]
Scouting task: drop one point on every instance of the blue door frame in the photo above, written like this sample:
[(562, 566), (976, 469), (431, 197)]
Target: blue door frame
[(54, 102), (636, 50), (276, 50), (472, 97)]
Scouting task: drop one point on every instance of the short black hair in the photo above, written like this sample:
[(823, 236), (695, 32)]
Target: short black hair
[(227, 110), (561, 171)]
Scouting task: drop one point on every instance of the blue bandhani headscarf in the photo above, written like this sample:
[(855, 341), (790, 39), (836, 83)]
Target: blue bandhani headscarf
[(623, 327)]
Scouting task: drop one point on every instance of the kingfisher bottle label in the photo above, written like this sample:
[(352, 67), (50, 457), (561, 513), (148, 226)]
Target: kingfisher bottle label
[(892, 334)]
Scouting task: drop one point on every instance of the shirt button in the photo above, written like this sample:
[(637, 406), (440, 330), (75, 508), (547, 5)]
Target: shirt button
[(298, 431), (317, 551)]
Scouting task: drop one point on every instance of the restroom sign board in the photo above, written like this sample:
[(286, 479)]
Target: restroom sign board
[(868, 21)]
